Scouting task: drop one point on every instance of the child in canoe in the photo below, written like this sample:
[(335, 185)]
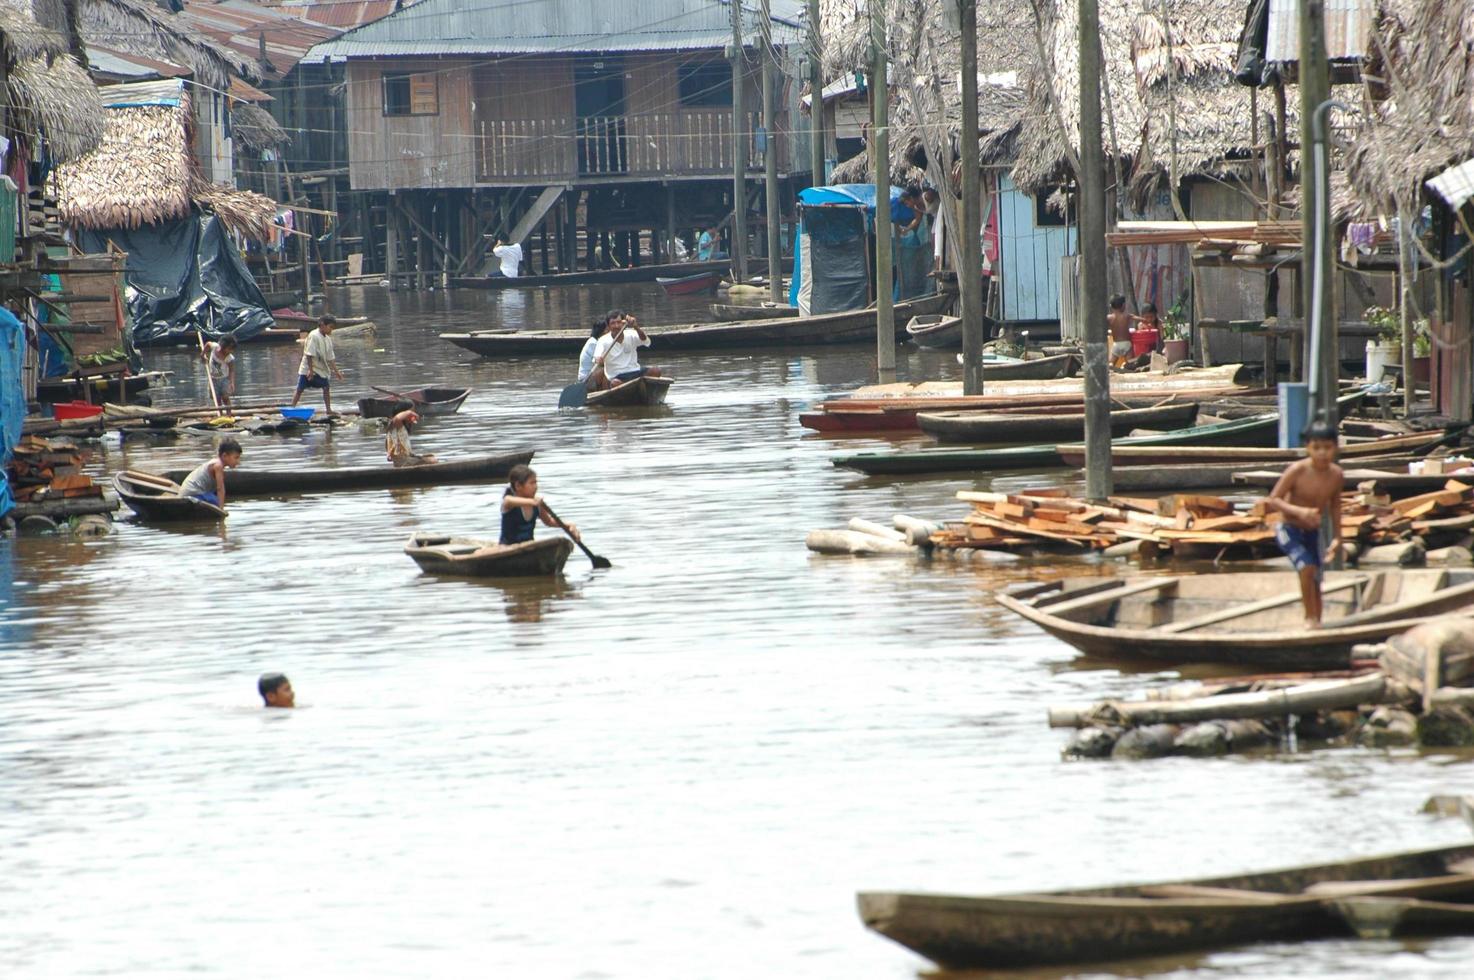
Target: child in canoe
[(207, 481), (396, 441), (522, 505), (1309, 488)]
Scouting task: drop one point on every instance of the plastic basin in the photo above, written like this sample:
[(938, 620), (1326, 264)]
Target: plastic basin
[(302, 414), (75, 410), (1144, 341)]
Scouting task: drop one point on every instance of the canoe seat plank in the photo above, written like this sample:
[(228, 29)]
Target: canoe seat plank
[(1207, 891), (1111, 595), (1410, 887), (1249, 609)]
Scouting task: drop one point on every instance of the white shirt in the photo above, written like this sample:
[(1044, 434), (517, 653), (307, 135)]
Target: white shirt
[(622, 357), (586, 357), (317, 355), (219, 366), (511, 257)]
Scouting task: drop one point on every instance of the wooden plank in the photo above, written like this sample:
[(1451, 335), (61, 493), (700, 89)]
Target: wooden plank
[(1250, 609), (1112, 595)]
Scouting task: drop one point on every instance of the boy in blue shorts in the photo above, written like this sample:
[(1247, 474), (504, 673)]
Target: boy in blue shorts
[(1308, 489)]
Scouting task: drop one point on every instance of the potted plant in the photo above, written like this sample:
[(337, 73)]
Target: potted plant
[(1385, 349), (1174, 335), (1422, 353)]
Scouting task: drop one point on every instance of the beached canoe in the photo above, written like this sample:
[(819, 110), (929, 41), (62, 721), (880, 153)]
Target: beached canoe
[(701, 282), (1021, 930), (1180, 448), (641, 391), (1000, 428), (443, 555), (737, 311), (425, 401), (590, 277), (854, 326), (154, 498), (1249, 618), (265, 483)]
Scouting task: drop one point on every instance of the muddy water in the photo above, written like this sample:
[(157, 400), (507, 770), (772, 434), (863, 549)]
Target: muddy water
[(681, 767)]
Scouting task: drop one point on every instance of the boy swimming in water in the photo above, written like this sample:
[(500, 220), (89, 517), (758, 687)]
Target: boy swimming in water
[(1309, 488), (276, 691)]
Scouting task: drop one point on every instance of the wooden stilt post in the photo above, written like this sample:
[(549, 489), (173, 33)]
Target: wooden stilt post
[(1091, 180)]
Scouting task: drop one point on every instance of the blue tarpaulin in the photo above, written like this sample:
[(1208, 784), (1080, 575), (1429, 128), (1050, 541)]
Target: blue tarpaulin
[(831, 267), (12, 397)]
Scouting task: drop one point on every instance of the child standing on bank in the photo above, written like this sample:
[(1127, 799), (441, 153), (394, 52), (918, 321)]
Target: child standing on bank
[(1308, 489), (1119, 322), (522, 505), (318, 361)]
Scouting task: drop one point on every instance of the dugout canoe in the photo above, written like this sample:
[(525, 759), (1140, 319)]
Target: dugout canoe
[(425, 401), (854, 326), (590, 277), (1397, 484), (1204, 476), (446, 555), (736, 311), (265, 483), (701, 282), (935, 331), (643, 391), (1185, 446), (1001, 428), (156, 499), (1021, 930), (1239, 618), (951, 460)]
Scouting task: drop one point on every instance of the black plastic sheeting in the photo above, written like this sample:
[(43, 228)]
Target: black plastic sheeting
[(838, 257), (184, 276)]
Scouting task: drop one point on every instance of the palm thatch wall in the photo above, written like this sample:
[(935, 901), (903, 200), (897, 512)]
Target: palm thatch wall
[(144, 173), (1420, 120)]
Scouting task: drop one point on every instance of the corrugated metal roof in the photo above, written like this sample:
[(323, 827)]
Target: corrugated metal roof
[(1348, 22), (120, 64), (241, 26), (479, 27), (342, 14)]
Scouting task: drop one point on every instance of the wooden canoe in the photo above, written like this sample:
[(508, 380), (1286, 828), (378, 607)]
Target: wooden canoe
[(701, 282), (991, 932), (1152, 451), (643, 391), (1395, 484), (855, 326), (951, 460), (1204, 476), (737, 311), (154, 498), (444, 555), (266, 483), (999, 428), (425, 401), (590, 277), (307, 321), (935, 331), (1241, 618)]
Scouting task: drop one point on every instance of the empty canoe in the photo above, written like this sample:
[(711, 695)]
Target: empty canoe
[(935, 331), (426, 401), (263, 483), (443, 555), (992, 932), (1241, 618), (641, 391), (701, 282), (997, 427), (951, 460), (154, 498)]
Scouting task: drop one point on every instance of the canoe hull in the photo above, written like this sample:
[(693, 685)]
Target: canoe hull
[(702, 282), (160, 501), (1101, 924), (471, 557), (987, 427), (855, 326), (632, 394), (425, 401), (265, 483), (736, 311), (950, 461), (644, 273)]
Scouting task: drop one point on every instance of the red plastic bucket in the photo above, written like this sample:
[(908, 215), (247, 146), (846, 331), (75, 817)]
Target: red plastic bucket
[(75, 410), (1144, 341)]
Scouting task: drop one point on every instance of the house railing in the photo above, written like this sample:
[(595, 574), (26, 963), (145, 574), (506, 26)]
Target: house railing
[(685, 141)]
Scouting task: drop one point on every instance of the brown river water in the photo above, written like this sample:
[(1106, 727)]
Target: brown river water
[(684, 766)]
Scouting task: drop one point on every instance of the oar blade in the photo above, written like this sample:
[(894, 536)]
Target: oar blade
[(600, 561), (575, 395)]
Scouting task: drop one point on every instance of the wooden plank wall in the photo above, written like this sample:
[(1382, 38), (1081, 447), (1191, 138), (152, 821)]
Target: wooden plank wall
[(524, 118), (1029, 256), (409, 152)]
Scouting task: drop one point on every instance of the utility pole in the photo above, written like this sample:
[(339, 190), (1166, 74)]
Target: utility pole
[(970, 275), (816, 99), (739, 149), (880, 158), (1091, 179), (770, 159), (1321, 345)]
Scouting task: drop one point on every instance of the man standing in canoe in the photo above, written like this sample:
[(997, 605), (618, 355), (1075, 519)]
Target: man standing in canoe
[(617, 352), (318, 362), (1308, 489)]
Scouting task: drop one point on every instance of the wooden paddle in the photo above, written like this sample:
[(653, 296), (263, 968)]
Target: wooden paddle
[(209, 381), (575, 395), (598, 561)]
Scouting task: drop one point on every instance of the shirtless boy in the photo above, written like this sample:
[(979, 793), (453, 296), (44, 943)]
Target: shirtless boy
[(1308, 489), (1120, 323)]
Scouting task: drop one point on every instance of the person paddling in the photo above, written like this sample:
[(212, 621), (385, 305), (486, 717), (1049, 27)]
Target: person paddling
[(522, 505), (617, 353)]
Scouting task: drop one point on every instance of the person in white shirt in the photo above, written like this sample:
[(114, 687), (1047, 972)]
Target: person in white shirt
[(318, 361), (617, 352), (219, 360), (586, 356), (510, 257)]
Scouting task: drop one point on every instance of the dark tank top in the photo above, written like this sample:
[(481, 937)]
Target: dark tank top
[(516, 527)]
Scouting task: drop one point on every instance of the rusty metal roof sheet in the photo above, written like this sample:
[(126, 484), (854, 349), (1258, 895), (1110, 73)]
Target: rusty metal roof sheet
[(241, 26), (475, 27), (1348, 23)]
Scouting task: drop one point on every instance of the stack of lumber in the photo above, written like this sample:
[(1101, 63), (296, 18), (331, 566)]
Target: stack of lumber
[(46, 470), (1189, 525)]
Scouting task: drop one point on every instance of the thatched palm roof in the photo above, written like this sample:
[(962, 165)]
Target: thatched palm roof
[(51, 93), (144, 173), (254, 127), (1420, 74)]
